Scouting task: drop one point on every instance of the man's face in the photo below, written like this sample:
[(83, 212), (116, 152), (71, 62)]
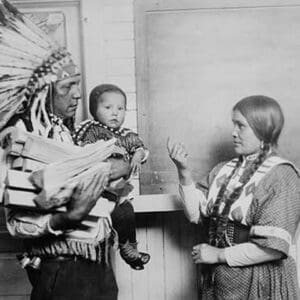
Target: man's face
[(67, 95)]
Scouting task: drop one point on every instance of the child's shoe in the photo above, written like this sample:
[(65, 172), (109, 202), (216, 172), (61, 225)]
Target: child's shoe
[(133, 257)]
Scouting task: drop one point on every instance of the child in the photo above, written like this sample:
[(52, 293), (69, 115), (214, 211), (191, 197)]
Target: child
[(108, 107)]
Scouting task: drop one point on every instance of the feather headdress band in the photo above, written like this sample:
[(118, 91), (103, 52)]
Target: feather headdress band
[(29, 62)]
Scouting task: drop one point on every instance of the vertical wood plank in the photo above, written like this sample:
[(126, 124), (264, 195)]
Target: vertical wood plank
[(155, 289), (123, 276), (172, 263), (140, 279), (188, 234)]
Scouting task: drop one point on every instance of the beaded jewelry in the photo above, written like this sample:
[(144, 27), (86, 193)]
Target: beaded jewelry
[(226, 197), (80, 132)]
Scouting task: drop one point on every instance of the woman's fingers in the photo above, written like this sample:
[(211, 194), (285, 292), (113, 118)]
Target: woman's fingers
[(197, 247), (179, 152), (169, 144), (171, 148), (196, 254), (176, 150), (204, 253)]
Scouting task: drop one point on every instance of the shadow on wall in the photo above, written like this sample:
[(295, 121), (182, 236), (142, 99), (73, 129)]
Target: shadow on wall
[(219, 151)]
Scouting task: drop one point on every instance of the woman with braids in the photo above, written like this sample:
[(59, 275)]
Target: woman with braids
[(250, 207)]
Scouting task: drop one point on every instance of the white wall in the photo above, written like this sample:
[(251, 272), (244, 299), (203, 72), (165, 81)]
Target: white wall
[(109, 52), (109, 56)]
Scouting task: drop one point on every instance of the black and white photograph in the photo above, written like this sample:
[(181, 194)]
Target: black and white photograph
[(149, 150)]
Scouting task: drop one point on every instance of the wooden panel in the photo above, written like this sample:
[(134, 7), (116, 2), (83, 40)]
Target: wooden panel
[(172, 263), (218, 57), (170, 274), (156, 203), (123, 276), (140, 280), (155, 236), (190, 236), (180, 275)]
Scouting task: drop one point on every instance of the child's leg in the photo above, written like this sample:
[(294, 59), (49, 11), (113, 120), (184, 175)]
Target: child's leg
[(123, 219)]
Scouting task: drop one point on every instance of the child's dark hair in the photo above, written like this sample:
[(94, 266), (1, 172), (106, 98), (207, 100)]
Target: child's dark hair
[(98, 91)]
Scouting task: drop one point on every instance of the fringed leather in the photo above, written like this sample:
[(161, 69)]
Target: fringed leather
[(96, 252)]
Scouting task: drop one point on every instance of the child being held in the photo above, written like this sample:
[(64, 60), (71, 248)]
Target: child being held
[(108, 107)]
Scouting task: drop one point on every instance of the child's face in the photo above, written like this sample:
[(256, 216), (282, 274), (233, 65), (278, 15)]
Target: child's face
[(111, 109)]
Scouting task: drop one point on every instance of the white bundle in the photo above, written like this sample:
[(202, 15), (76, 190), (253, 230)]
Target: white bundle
[(58, 180), (61, 195)]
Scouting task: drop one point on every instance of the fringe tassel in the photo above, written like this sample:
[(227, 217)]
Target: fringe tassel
[(91, 251)]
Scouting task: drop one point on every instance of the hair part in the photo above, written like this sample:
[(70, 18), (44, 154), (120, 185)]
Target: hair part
[(264, 115), (98, 91)]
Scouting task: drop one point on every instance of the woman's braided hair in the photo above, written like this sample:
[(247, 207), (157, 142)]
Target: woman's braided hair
[(265, 117)]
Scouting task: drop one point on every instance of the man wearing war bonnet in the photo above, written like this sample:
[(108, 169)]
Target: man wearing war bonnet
[(39, 93)]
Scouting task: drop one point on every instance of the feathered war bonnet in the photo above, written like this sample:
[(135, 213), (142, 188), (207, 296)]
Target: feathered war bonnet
[(29, 63)]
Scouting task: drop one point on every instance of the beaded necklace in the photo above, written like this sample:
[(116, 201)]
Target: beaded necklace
[(59, 130), (226, 197), (84, 126)]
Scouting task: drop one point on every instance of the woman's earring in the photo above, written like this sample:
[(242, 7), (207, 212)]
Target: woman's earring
[(262, 145)]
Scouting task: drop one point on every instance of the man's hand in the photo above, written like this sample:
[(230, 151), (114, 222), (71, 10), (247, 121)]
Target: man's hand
[(83, 199)]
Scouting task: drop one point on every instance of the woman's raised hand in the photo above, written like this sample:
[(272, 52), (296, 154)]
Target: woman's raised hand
[(178, 154)]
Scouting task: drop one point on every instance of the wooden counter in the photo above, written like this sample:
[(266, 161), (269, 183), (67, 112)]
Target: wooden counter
[(156, 203)]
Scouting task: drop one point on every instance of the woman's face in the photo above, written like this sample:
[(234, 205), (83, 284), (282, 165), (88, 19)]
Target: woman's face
[(244, 139)]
